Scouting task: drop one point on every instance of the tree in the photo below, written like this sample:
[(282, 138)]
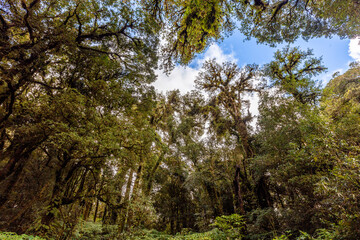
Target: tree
[(340, 105), (180, 124), (191, 25), (285, 20), (292, 70), (294, 147), (73, 76), (227, 86)]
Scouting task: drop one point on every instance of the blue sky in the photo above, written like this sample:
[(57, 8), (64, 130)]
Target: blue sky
[(336, 53)]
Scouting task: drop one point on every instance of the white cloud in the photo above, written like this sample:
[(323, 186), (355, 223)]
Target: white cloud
[(216, 52), (183, 78), (327, 76), (254, 109), (354, 48)]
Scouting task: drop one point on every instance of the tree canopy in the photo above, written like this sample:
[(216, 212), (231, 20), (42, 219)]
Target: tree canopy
[(89, 149)]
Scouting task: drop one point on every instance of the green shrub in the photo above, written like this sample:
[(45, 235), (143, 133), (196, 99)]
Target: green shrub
[(14, 236), (91, 230), (233, 225), (144, 234), (320, 234)]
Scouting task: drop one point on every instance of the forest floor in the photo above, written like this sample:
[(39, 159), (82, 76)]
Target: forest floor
[(95, 231)]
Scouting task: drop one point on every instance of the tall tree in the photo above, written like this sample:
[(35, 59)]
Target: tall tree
[(228, 86), (191, 25), (294, 149), (73, 75), (341, 104)]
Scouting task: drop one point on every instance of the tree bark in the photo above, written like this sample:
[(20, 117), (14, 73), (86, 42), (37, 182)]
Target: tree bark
[(262, 193), (237, 190), (96, 209), (122, 225)]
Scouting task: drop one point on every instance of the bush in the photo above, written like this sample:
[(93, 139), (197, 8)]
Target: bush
[(91, 230), (144, 234), (233, 225), (14, 236), (320, 234)]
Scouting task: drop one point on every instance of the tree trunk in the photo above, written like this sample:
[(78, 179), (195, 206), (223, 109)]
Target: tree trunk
[(13, 169), (96, 209), (60, 183), (122, 225), (152, 173), (238, 193), (133, 197), (242, 178), (262, 193)]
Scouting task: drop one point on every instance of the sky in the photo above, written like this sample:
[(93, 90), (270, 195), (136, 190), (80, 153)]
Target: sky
[(336, 54)]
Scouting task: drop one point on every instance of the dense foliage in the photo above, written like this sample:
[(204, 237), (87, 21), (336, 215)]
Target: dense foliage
[(90, 150)]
